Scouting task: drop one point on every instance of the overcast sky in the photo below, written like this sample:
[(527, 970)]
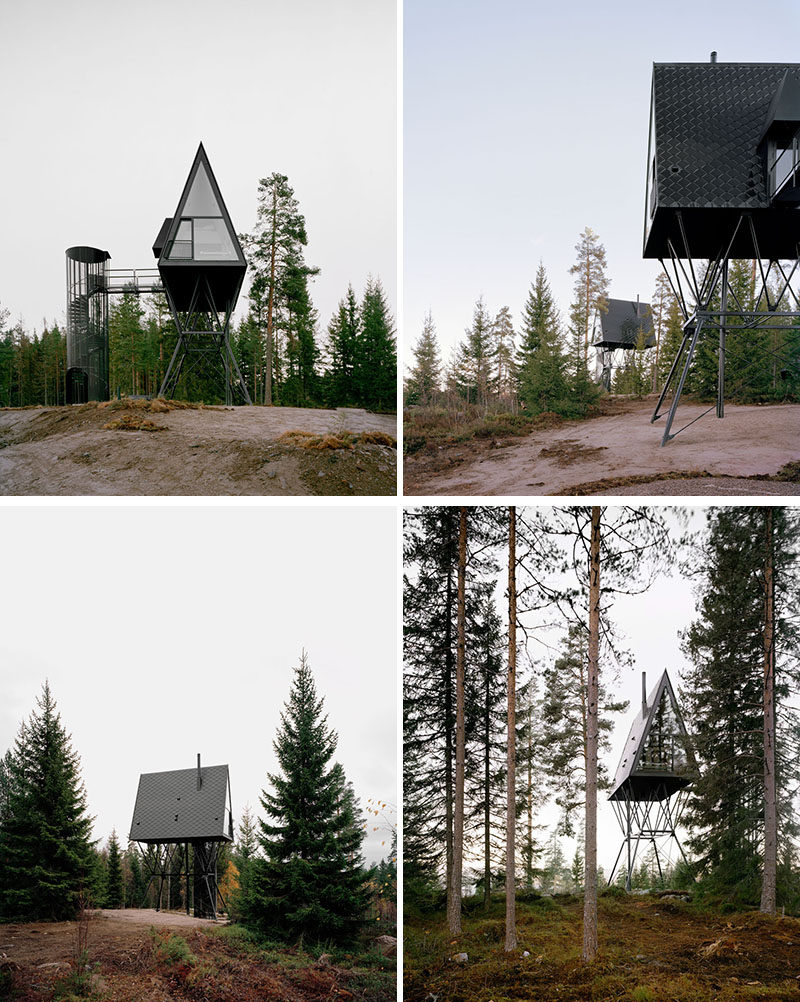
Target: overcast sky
[(104, 106), (166, 632), (525, 123)]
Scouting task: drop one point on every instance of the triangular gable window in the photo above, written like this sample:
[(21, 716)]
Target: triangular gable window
[(201, 201), (665, 746), (203, 232)]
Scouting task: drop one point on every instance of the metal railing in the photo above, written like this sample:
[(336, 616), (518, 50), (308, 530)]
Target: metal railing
[(137, 280)]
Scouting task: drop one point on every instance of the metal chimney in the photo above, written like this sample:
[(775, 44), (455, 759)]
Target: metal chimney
[(637, 304), (199, 777), (713, 57), (644, 697)]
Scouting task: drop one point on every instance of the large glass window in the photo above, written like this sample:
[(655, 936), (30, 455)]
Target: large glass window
[(664, 750), (182, 244), (201, 200), (783, 164), (212, 242)]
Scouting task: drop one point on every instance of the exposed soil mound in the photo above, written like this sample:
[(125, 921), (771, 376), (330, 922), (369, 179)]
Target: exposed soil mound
[(200, 451)]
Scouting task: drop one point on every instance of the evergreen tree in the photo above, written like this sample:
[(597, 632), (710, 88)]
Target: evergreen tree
[(725, 696), (376, 363), (275, 251), (309, 882), (115, 888), (563, 713), (424, 381), (343, 335), (476, 357), (504, 379), (591, 290), (44, 839), (540, 364), (134, 880)]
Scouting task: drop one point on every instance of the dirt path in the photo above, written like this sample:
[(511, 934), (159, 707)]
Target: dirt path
[(605, 451), (129, 963), (208, 451)]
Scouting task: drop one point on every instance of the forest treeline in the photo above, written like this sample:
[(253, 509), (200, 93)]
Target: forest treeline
[(485, 812), (283, 356), (297, 872), (546, 364)]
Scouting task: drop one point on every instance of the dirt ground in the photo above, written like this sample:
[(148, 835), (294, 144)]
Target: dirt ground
[(202, 451), (649, 951), (621, 453), (35, 956)]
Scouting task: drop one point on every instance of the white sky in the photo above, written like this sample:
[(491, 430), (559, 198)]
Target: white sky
[(166, 632), (524, 123), (104, 106)]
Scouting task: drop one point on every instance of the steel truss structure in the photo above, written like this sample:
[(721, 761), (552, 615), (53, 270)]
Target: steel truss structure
[(202, 877), (711, 307), (653, 819), (203, 336)]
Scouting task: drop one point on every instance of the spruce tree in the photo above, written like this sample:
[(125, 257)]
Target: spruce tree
[(725, 696), (343, 334), (309, 883), (45, 843), (425, 379), (376, 362), (115, 888), (540, 364), (476, 356)]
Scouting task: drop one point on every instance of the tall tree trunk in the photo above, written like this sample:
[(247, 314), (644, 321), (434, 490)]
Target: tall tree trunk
[(590, 850), (448, 722), (770, 809), (487, 733), (454, 889), (529, 860), (511, 800), (271, 300)]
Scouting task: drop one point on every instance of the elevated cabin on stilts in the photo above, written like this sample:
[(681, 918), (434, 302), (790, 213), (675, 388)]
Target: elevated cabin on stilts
[(179, 811), (650, 786), (620, 327), (723, 184)]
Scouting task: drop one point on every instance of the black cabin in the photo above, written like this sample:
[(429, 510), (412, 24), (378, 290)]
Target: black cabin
[(723, 143)]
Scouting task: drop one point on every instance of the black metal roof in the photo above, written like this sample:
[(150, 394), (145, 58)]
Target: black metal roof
[(620, 324), (709, 120), (640, 773), (170, 807), (212, 250)]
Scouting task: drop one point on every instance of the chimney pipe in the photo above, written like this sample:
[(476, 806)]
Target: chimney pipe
[(637, 304), (713, 57), (644, 694), (199, 779)]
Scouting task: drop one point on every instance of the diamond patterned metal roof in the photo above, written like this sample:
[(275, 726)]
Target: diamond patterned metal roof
[(709, 120), (635, 775), (620, 324), (170, 807)]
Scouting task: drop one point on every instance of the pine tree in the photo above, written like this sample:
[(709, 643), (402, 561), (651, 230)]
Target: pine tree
[(591, 290), (115, 888), (309, 882), (424, 381), (504, 379), (45, 838), (274, 251)]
